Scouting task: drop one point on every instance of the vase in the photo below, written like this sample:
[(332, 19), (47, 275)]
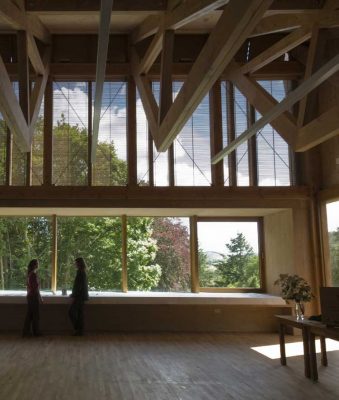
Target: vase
[(299, 310)]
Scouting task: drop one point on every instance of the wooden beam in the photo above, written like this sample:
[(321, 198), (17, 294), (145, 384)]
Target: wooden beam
[(54, 253), (308, 72), (24, 92), (186, 12), (152, 52), (194, 254), (284, 45), (217, 171), (252, 147), (166, 90), (48, 135), (124, 275), (310, 84), (90, 134), (319, 130), (132, 133), (38, 92), (287, 22), (9, 158), (11, 110), (232, 159), (233, 27), (262, 101), (19, 20), (103, 39), (94, 5), (34, 55), (147, 98)]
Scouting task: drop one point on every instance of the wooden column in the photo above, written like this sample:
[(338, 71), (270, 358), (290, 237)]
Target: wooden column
[(150, 159), (48, 135), (54, 258), (131, 133), (217, 170), (89, 139), (252, 147), (9, 153), (124, 253), (24, 92), (166, 92), (232, 159), (194, 255)]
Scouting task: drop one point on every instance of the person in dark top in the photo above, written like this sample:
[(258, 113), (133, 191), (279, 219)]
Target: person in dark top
[(31, 325), (79, 296)]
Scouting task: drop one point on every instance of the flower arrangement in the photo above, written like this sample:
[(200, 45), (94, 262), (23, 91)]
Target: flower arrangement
[(293, 287)]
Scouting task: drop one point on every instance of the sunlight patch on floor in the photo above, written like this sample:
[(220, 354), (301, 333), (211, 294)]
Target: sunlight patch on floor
[(293, 349)]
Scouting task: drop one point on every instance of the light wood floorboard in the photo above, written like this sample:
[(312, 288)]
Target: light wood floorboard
[(156, 366)]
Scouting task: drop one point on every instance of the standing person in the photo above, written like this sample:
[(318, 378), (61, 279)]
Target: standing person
[(79, 296), (31, 325)]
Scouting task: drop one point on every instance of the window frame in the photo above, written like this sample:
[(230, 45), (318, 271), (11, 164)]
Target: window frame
[(261, 255)]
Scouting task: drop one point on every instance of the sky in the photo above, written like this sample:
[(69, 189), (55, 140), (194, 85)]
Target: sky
[(332, 215), (193, 143)]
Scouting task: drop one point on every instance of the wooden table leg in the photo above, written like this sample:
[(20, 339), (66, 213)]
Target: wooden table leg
[(306, 345), (323, 351), (313, 357), (282, 344)]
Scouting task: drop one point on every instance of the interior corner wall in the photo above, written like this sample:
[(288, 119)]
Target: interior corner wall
[(329, 150), (279, 248)]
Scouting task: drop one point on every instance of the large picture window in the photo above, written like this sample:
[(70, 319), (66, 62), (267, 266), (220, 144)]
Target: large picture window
[(157, 257), (158, 254), (22, 239), (230, 258), (98, 241)]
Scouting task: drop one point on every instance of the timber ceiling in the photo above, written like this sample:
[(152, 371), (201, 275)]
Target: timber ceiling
[(200, 39)]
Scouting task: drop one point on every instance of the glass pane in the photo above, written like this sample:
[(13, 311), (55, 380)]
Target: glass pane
[(333, 235), (272, 150), (158, 254), (225, 140), (38, 148), (110, 167), (3, 150), (160, 159), (70, 133), (173, 254), (19, 159), (22, 239), (228, 257), (240, 110), (142, 144), (98, 241)]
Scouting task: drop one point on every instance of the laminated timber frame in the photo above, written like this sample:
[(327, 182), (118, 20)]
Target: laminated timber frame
[(22, 115), (261, 18), (212, 60)]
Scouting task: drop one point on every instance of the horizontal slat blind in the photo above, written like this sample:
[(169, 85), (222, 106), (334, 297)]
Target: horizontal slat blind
[(70, 133)]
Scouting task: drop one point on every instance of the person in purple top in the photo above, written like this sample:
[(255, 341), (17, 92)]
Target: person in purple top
[(31, 325)]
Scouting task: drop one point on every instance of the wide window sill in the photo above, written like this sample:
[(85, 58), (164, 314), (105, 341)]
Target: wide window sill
[(203, 298)]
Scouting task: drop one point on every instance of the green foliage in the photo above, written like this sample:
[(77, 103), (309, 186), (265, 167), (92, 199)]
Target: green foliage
[(294, 287), (143, 272), (334, 256), (239, 267), (173, 254), (21, 239), (208, 275), (98, 241)]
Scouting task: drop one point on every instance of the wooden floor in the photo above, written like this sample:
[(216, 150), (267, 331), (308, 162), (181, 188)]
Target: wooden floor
[(156, 366)]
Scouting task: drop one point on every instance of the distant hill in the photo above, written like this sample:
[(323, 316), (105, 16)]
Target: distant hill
[(213, 256)]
